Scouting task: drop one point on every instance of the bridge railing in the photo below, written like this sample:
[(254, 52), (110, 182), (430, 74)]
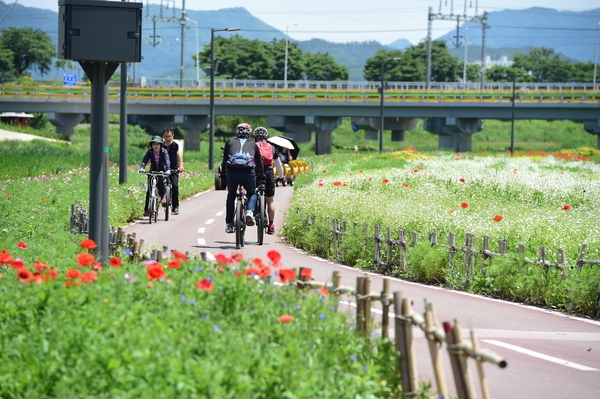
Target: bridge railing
[(329, 92)]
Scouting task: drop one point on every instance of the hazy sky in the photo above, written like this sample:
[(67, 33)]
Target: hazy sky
[(356, 21)]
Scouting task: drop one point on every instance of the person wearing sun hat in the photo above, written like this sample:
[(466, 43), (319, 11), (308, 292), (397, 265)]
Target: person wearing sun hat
[(158, 157)]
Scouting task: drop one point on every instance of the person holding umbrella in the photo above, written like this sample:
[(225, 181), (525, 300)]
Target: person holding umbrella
[(270, 157)]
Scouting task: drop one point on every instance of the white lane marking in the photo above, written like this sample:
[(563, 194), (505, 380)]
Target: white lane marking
[(201, 241), (548, 358), (209, 221), (220, 213), (201, 230)]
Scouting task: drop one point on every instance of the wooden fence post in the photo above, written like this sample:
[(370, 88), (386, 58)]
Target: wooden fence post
[(388, 260), (400, 343), (360, 305), (336, 232), (458, 361), (385, 302), (434, 351), (482, 380), (410, 354), (376, 249), (367, 305), (402, 242)]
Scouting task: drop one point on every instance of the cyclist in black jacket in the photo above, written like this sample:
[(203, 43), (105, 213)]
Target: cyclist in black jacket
[(242, 161), (159, 162), (176, 159)]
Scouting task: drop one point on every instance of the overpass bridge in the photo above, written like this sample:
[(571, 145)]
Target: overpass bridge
[(453, 111)]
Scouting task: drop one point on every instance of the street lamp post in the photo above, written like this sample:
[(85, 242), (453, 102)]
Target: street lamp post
[(512, 119), (382, 97), (211, 127), (596, 54), (285, 66), (197, 59)]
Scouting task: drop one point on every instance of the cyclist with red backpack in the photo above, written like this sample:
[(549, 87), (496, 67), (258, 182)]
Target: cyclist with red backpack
[(270, 158)]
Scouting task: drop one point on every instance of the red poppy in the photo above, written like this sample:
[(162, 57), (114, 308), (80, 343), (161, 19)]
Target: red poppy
[(72, 283), (286, 318), (324, 170), (498, 218), (97, 266), (116, 262), (307, 273), (24, 275), (370, 179), (324, 291), (385, 181), (88, 244), (155, 271), (5, 257), (461, 180), (406, 185), (251, 270), (258, 262), (237, 258), (39, 266), (43, 198), (321, 185), (22, 245), (264, 271), (84, 259), (17, 264), (220, 270), (415, 170), (464, 205), (360, 171), (89, 277), (286, 275), (566, 207), (274, 256), (205, 285), (73, 273), (337, 183), (174, 264), (180, 256), (53, 273), (222, 259)]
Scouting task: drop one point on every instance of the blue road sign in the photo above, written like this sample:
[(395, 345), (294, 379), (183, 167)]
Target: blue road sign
[(70, 80)]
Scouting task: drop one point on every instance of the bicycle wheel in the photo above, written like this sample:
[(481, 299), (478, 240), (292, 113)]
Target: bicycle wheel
[(239, 224), (156, 206), (260, 218), (151, 209), (168, 202)]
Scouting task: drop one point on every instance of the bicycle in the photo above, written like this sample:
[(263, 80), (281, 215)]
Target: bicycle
[(240, 216), (261, 214), (154, 198)]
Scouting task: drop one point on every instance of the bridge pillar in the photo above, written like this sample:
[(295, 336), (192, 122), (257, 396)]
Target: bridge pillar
[(454, 133), (64, 122), (397, 125), (593, 127), (292, 126), (192, 124), (323, 125)]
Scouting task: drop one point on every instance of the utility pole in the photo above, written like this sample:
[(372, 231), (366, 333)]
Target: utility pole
[(482, 19), (170, 20)]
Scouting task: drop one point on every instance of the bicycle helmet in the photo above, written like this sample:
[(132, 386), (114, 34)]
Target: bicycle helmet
[(156, 139), (243, 130), (261, 133)]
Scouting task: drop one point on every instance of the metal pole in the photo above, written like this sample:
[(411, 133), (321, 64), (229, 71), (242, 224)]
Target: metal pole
[(197, 59), (596, 54), (465, 63), (211, 145), (286, 59), (381, 94), (183, 27), (123, 126), (512, 123), (428, 58)]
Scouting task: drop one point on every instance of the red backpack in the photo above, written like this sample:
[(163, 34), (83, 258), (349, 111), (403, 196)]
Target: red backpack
[(266, 152)]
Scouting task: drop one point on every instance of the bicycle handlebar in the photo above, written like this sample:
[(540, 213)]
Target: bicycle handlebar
[(155, 173)]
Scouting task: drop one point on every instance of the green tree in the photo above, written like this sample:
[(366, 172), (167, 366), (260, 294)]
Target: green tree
[(296, 67), (506, 74), (322, 66), (240, 58), (30, 48), (402, 70), (444, 66), (545, 65), (7, 66)]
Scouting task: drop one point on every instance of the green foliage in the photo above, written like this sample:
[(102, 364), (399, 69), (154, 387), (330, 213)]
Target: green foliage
[(110, 337), (428, 264), (30, 48)]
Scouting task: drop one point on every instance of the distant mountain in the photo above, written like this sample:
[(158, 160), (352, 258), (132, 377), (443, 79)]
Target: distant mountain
[(572, 34)]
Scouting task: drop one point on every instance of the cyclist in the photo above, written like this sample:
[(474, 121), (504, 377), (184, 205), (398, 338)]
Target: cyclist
[(242, 161), (176, 158), (159, 162), (270, 156)]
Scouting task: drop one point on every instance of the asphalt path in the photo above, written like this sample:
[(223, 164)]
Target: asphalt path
[(549, 354)]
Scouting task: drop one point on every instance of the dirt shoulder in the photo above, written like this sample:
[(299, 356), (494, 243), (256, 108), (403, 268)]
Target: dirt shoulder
[(8, 135)]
